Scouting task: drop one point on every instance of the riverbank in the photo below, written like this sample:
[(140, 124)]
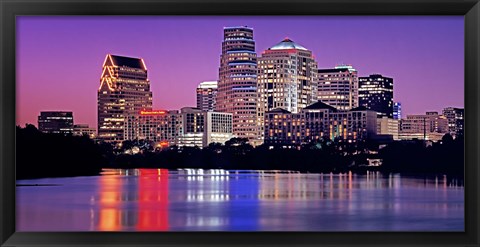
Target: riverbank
[(44, 155)]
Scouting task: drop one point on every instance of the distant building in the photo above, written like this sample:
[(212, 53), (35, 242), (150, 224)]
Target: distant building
[(84, 129), (318, 121), (429, 126), (124, 90), (206, 95), (455, 118), (56, 122), (187, 127), (375, 92), (397, 110), (338, 87), (237, 83), (388, 126)]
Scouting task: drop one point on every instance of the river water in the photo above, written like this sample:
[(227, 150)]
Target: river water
[(220, 200)]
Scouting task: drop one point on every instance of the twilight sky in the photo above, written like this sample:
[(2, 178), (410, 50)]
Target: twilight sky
[(59, 59)]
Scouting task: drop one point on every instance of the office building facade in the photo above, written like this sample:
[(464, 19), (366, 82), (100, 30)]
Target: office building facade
[(56, 122), (455, 118), (188, 127), (84, 130), (397, 110), (318, 121), (428, 126), (237, 84), (206, 95), (287, 79), (159, 126), (338, 87), (375, 92), (124, 90)]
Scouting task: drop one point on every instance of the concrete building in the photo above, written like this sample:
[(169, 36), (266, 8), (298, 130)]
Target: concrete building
[(338, 87), (375, 92), (206, 95), (455, 118), (237, 83), (287, 79), (319, 120), (428, 126), (56, 122), (124, 90), (388, 126), (218, 128), (188, 127), (159, 126), (84, 129)]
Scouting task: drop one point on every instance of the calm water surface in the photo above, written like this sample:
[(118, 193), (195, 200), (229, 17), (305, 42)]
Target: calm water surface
[(219, 200)]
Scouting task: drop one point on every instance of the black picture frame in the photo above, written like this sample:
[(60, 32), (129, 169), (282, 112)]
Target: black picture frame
[(12, 8)]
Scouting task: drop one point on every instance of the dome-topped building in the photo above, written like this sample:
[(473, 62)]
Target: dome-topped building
[(287, 44), (286, 79)]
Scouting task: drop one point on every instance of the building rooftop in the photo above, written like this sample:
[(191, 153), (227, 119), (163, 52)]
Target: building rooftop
[(360, 108), (278, 110), (128, 62), (208, 84), (332, 70), (320, 105), (287, 44)]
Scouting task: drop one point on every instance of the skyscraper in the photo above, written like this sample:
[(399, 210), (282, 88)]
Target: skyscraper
[(124, 90), (56, 122), (338, 87), (237, 84), (287, 79), (206, 95), (375, 92)]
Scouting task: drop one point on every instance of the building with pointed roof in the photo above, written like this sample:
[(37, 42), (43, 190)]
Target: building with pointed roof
[(124, 90)]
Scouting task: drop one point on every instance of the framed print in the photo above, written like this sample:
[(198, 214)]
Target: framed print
[(206, 123)]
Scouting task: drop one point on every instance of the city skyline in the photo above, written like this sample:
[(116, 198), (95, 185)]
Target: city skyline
[(49, 70)]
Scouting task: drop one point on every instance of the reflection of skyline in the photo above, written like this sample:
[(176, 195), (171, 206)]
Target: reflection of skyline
[(159, 200), (143, 209)]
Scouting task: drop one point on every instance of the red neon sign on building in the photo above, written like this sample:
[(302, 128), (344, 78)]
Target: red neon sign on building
[(153, 112)]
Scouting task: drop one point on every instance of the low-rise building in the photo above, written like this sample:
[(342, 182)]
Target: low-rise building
[(317, 121), (56, 122), (188, 127), (84, 129)]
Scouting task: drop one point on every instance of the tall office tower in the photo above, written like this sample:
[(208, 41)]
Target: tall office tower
[(237, 84), (455, 120), (287, 79), (124, 90), (338, 87), (206, 95), (375, 92), (397, 110), (55, 122)]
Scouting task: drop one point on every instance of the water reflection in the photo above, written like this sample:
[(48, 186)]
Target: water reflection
[(196, 199)]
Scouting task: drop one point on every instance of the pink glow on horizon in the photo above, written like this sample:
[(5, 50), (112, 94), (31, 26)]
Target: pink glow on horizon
[(59, 59)]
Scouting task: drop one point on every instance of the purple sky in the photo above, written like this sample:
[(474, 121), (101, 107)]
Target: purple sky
[(59, 59)]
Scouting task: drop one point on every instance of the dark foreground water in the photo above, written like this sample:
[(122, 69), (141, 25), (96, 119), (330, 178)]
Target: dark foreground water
[(219, 200)]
